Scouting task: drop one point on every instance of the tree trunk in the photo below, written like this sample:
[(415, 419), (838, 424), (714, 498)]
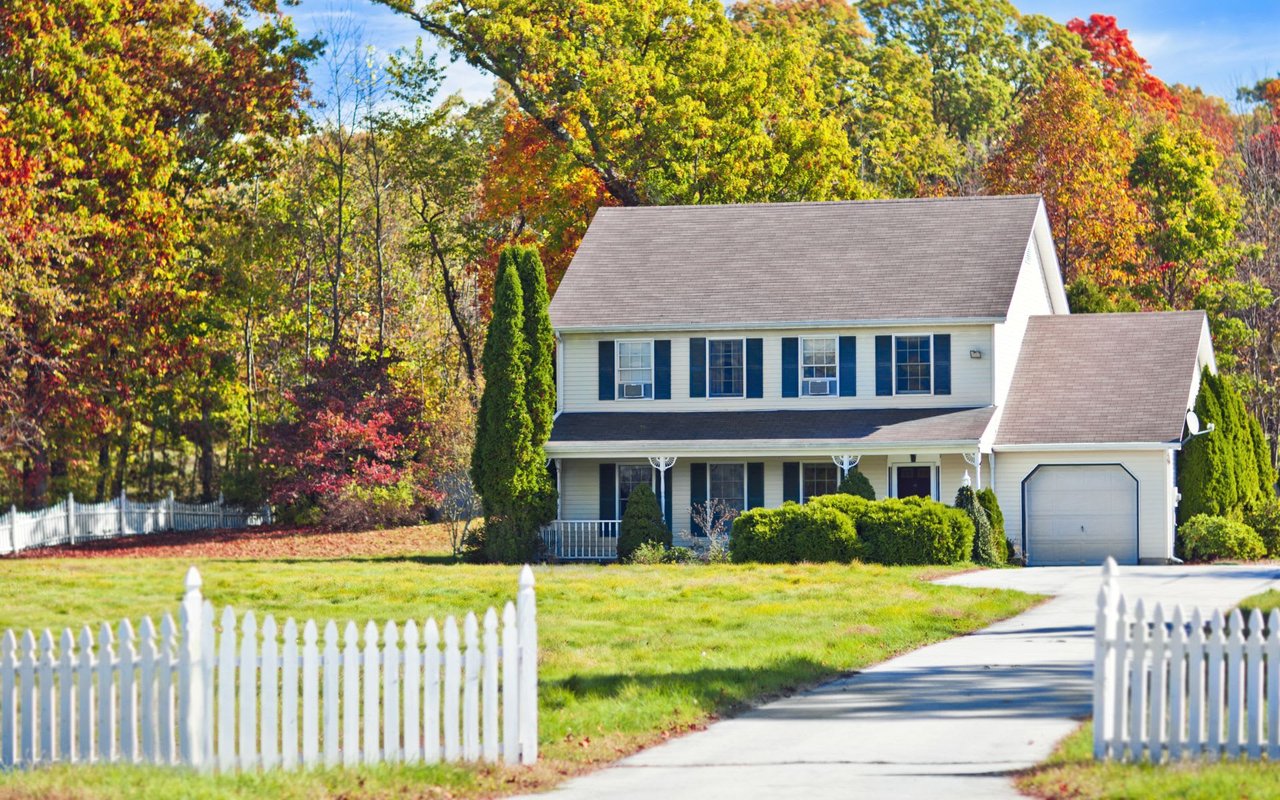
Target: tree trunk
[(207, 458), (455, 316), (122, 459), (104, 468)]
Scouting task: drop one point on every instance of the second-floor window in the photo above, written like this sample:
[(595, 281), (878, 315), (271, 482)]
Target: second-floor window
[(725, 368), (635, 370), (818, 367), (913, 364)]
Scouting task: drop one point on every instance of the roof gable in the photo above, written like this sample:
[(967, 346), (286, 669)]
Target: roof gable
[(796, 263), (1103, 378)]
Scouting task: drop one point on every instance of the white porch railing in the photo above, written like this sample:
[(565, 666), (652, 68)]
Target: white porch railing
[(582, 540)]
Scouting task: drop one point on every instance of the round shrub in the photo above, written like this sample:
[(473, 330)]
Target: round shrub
[(915, 531), (852, 506), (1209, 538), (856, 484), (1264, 517), (641, 522), (793, 533)]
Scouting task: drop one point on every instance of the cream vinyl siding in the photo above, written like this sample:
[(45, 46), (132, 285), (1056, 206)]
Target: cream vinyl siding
[(1030, 297), (971, 379), (1152, 468)]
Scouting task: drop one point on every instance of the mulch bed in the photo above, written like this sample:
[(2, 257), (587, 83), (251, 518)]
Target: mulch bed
[(260, 543)]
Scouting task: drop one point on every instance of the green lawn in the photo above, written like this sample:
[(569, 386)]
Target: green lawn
[(1072, 773), (630, 654), (1264, 602)]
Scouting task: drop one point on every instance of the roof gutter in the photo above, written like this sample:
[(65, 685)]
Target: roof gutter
[(1063, 446), (753, 447), (798, 325)]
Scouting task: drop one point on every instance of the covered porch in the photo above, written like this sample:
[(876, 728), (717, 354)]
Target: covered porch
[(777, 463)]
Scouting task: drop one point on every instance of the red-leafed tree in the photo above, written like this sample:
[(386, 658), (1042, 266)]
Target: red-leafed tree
[(1125, 74), (352, 453)]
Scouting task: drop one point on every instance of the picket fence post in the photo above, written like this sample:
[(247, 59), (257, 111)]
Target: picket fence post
[(222, 511), (121, 529), (169, 524), (13, 529), (71, 517), (1103, 714), (527, 614), (191, 672)]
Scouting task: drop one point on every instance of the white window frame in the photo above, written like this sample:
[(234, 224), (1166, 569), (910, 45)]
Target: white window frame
[(834, 381), (707, 367), (617, 369), (934, 463), (933, 364), (746, 480), (617, 484), (804, 498)]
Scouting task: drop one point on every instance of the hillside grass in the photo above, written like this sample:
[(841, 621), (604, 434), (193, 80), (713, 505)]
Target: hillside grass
[(630, 655)]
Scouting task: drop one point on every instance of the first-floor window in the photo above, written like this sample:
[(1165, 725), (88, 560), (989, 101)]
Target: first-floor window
[(629, 477), (728, 484), (635, 370), (820, 479), (913, 364), (725, 368)]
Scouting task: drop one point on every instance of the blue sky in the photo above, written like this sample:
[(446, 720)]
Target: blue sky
[(1215, 45)]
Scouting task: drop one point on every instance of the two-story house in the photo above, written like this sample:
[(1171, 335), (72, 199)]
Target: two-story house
[(753, 353)]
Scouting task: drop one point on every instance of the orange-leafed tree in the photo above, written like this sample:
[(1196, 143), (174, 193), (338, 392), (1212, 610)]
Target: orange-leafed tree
[(541, 194), (1070, 148), (1126, 75)]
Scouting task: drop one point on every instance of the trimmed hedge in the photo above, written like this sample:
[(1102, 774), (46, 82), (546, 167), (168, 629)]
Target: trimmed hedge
[(1264, 517), (641, 522), (1209, 538), (793, 533), (915, 531), (844, 527)]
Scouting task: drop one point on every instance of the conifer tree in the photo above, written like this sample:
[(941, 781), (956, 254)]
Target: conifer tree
[(502, 425), (984, 539), (1262, 454), (1206, 468), (540, 386), (856, 484)]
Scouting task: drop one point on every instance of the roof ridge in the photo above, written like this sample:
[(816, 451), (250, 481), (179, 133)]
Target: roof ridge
[(810, 203)]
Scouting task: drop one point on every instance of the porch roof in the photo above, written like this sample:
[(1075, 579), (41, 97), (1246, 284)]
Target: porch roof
[(859, 429)]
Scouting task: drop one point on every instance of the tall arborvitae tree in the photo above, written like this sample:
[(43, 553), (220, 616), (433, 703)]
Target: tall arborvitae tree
[(1262, 454), (986, 550), (504, 435), (1206, 477), (1236, 421), (540, 385)]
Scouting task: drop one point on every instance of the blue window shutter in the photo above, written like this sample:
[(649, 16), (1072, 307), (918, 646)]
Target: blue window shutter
[(884, 365), (755, 484), (606, 369), (791, 481), (755, 368), (666, 506), (608, 491), (697, 493), (942, 363), (848, 366), (790, 367), (698, 367), (662, 369)]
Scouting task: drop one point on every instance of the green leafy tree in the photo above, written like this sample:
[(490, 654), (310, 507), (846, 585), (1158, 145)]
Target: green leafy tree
[(856, 484), (641, 522), (540, 351), (1086, 297), (1193, 218)]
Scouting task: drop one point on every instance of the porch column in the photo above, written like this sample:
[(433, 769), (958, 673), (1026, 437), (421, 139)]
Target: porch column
[(845, 463), (975, 460), (662, 464)]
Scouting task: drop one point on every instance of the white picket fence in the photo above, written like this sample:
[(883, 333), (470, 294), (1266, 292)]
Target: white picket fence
[(244, 697), (71, 522), (1167, 686)]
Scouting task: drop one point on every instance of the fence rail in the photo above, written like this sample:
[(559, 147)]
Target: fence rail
[(582, 540), (239, 696), (71, 522), (1168, 686)]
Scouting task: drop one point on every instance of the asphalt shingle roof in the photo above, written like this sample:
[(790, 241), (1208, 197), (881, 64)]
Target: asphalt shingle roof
[(872, 426), (781, 263), (1103, 378)]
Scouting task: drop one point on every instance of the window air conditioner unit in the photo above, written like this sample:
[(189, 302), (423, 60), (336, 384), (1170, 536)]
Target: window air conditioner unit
[(633, 390), (818, 387)]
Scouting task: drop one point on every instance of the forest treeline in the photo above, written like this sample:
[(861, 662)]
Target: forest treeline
[(213, 279)]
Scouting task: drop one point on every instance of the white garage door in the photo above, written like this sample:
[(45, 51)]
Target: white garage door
[(1081, 514)]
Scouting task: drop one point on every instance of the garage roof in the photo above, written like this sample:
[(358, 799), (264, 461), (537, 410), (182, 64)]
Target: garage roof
[(1102, 378), (872, 426), (804, 263)]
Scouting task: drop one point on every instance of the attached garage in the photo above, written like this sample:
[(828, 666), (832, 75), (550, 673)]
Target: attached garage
[(1080, 514)]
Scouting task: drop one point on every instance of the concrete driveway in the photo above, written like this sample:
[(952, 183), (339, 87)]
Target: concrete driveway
[(950, 720)]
